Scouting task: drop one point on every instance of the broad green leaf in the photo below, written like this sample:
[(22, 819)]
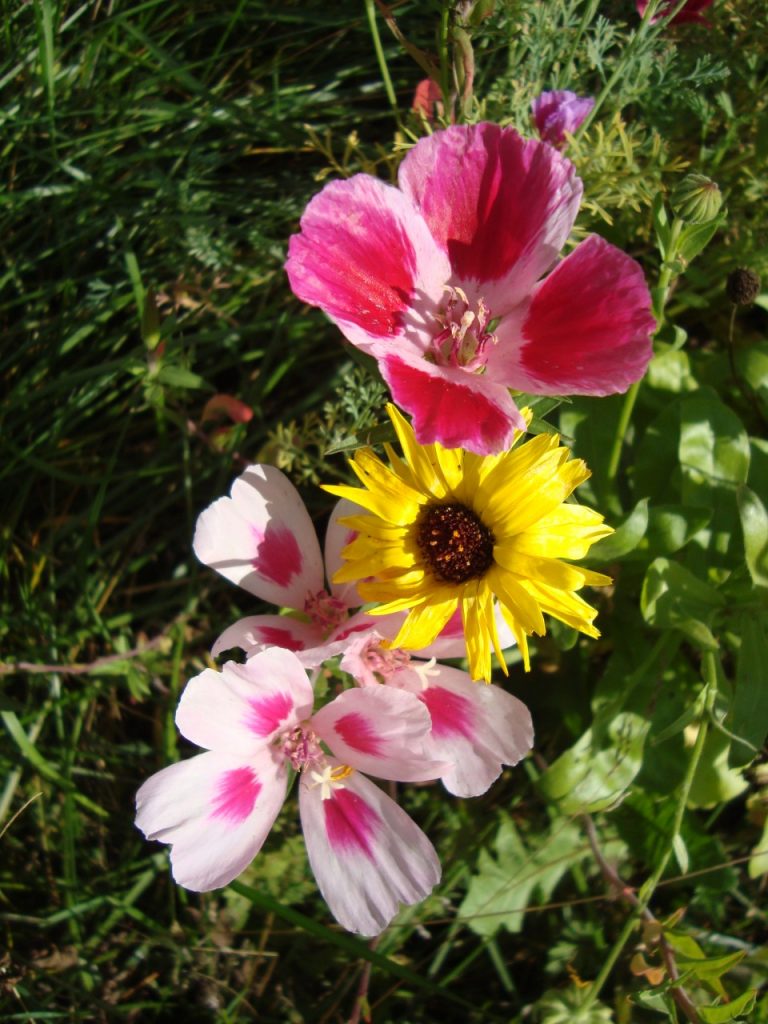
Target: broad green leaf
[(595, 772), (752, 364), (625, 538), (714, 782), (670, 527), (714, 447), (671, 371), (592, 423), (748, 718), (709, 967), (737, 1007), (674, 598), (754, 524)]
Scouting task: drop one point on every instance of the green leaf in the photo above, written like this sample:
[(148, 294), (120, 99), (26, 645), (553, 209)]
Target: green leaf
[(625, 538), (597, 770), (179, 377), (714, 782), (674, 598), (749, 709), (714, 447), (670, 527), (671, 371), (737, 1007), (754, 524), (502, 889), (709, 967), (758, 861), (696, 237)]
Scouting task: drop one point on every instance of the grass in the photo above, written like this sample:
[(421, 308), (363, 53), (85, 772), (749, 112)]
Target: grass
[(154, 163)]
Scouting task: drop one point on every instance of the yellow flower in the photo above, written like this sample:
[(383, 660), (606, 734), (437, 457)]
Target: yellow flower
[(446, 528)]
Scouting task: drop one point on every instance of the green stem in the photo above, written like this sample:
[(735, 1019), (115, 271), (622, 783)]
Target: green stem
[(370, 10), (639, 36), (645, 895), (623, 425)]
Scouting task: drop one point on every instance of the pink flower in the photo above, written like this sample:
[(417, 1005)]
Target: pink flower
[(441, 280), (690, 12), (558, 112), (261, 538), (255, 722), (476, 728)]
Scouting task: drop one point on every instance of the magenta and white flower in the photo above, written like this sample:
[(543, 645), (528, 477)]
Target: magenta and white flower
[(443, 281), (256, 722), (476, 728), (557, 112), (262, 538)]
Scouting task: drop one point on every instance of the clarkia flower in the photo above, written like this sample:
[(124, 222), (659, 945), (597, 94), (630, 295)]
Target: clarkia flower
[(255, 722), (262, 538), (476, 730), (442, 281), (690, 11), (447, 529), (558, 112)]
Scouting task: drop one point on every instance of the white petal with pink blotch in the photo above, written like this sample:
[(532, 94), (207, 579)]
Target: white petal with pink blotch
[(379, 731), (476, 728), (263, 539), (215, 810), (367, 855)]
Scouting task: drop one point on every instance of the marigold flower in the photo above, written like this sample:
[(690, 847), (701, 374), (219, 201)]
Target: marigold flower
[(448, 529), (557, 112), (442, 281)]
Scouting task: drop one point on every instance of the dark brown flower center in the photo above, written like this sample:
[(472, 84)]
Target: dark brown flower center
[(455, 542)]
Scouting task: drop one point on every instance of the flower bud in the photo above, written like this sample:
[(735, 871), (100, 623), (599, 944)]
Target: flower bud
[(696, 199), (742, 286)]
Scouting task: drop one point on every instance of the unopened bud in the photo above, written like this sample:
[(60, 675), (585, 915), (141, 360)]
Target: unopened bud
[(742, 286), (696, 199)]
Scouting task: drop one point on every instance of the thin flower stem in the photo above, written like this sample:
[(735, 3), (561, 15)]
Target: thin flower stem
[(370, 10), (621, 429), (645, 895)]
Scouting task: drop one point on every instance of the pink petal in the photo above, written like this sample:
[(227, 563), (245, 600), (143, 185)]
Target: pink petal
[(256, 632), (239, 709), (450, 406), (500, 206), (475, 728), (588, 328), (366, 258), (381, 731), (367, 855), (216, 810), (262, 539), (691, 11)]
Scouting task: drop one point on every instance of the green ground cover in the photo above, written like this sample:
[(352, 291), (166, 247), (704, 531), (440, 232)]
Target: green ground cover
[(155, 159)]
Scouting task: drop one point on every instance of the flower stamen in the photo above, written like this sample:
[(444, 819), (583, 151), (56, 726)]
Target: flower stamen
[(455, 543)]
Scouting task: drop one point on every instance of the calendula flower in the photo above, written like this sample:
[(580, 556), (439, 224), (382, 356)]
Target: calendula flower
[(452, 283), (447, 529), (557, 112)]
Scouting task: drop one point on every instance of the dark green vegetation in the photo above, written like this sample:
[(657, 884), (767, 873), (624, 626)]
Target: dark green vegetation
[(154, 161)]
